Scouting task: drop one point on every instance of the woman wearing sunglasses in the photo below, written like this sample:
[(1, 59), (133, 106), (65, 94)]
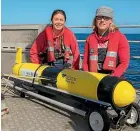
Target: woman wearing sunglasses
[(106, 49)]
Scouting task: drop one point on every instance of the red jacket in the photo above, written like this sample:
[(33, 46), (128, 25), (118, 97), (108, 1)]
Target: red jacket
[(122, 49), (40, 45)]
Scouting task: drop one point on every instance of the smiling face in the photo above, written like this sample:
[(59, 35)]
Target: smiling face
[(58, 21), (103, 23)]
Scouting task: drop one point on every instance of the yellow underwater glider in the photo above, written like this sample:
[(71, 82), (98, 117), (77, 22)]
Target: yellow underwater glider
[(97, 93)]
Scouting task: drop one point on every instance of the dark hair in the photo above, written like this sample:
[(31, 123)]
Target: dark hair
[(57, 12)]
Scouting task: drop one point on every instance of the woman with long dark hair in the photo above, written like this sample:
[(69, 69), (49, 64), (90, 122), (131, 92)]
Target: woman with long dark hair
[(56, 43)]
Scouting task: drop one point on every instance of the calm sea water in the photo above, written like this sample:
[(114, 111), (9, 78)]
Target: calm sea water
[(133, 71)]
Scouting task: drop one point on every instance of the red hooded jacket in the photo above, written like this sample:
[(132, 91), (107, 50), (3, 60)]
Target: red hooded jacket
[(41, 44), (123, 52)]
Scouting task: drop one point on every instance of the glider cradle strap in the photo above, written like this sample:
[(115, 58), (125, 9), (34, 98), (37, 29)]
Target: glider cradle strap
[(35, 74)]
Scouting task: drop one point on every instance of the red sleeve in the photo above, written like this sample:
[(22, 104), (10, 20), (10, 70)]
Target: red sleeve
[(75, 52), (124, 56), (37, 47), (86, 56)]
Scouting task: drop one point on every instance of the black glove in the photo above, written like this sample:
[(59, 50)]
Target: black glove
[(67, 65), (44, 57)]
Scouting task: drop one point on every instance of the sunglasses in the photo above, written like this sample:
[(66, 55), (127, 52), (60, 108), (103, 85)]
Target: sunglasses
[(103, 17)]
